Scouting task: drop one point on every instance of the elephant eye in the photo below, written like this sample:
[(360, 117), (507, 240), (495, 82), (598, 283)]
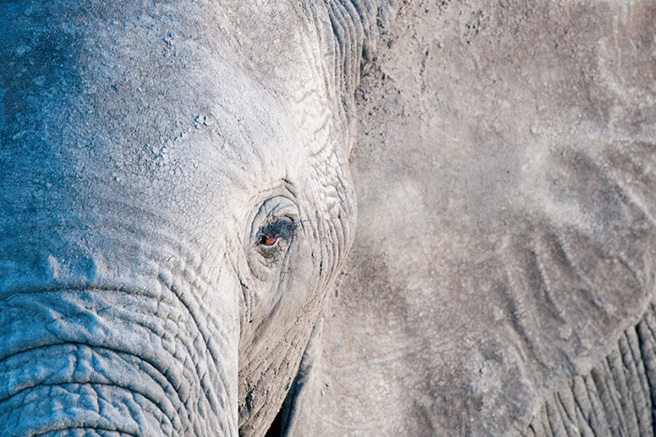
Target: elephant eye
[(274, 228), (267, 240), (275, 237)]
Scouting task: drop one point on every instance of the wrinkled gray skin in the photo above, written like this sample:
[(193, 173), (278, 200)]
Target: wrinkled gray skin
[(149, 152), (502, 275)]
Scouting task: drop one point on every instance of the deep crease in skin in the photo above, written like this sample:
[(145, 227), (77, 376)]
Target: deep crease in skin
[(175, 292), (190, 347), (116, 351), (155, 404), (107, 290), (98, 431), (618, 390), (180, 427), (338, 47), (321, 67), (348, 40), (45, 433), (641, 358), (356, 35), (640, 373), (92, 384), (218, 384)]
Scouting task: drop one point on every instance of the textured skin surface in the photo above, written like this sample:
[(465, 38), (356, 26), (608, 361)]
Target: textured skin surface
[(502, 278), (615, 398), (504, 257), (146, 150)]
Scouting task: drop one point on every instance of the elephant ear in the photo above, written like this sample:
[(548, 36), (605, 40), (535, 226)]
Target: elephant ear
[(506, 180)]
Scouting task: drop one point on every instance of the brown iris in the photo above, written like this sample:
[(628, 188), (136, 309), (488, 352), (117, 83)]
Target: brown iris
[(268, 240), (274, 238)]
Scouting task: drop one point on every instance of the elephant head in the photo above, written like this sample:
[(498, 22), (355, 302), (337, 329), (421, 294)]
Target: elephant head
[(175, 204)]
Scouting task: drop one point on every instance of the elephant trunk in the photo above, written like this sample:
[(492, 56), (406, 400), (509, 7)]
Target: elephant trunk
[(111, 359)]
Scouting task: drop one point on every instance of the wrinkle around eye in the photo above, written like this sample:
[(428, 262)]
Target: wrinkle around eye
[(273, 232)]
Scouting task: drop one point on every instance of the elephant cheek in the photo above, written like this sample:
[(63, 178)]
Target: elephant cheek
[(139, 363)]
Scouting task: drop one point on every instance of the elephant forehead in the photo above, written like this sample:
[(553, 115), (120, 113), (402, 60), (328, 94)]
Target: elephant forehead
[(111, 147), (117, 112)]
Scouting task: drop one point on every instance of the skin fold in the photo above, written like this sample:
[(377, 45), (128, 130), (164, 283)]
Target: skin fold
[(178, 184), (175, 205)]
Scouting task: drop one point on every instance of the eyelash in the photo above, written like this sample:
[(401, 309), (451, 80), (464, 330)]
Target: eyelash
[(269, 236)]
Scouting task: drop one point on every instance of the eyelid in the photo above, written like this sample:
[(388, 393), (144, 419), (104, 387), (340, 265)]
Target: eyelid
[(274, 209), (277, 219), (280, 228)]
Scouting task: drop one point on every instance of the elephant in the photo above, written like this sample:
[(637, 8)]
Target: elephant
[(181, 251), (176, 202)]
